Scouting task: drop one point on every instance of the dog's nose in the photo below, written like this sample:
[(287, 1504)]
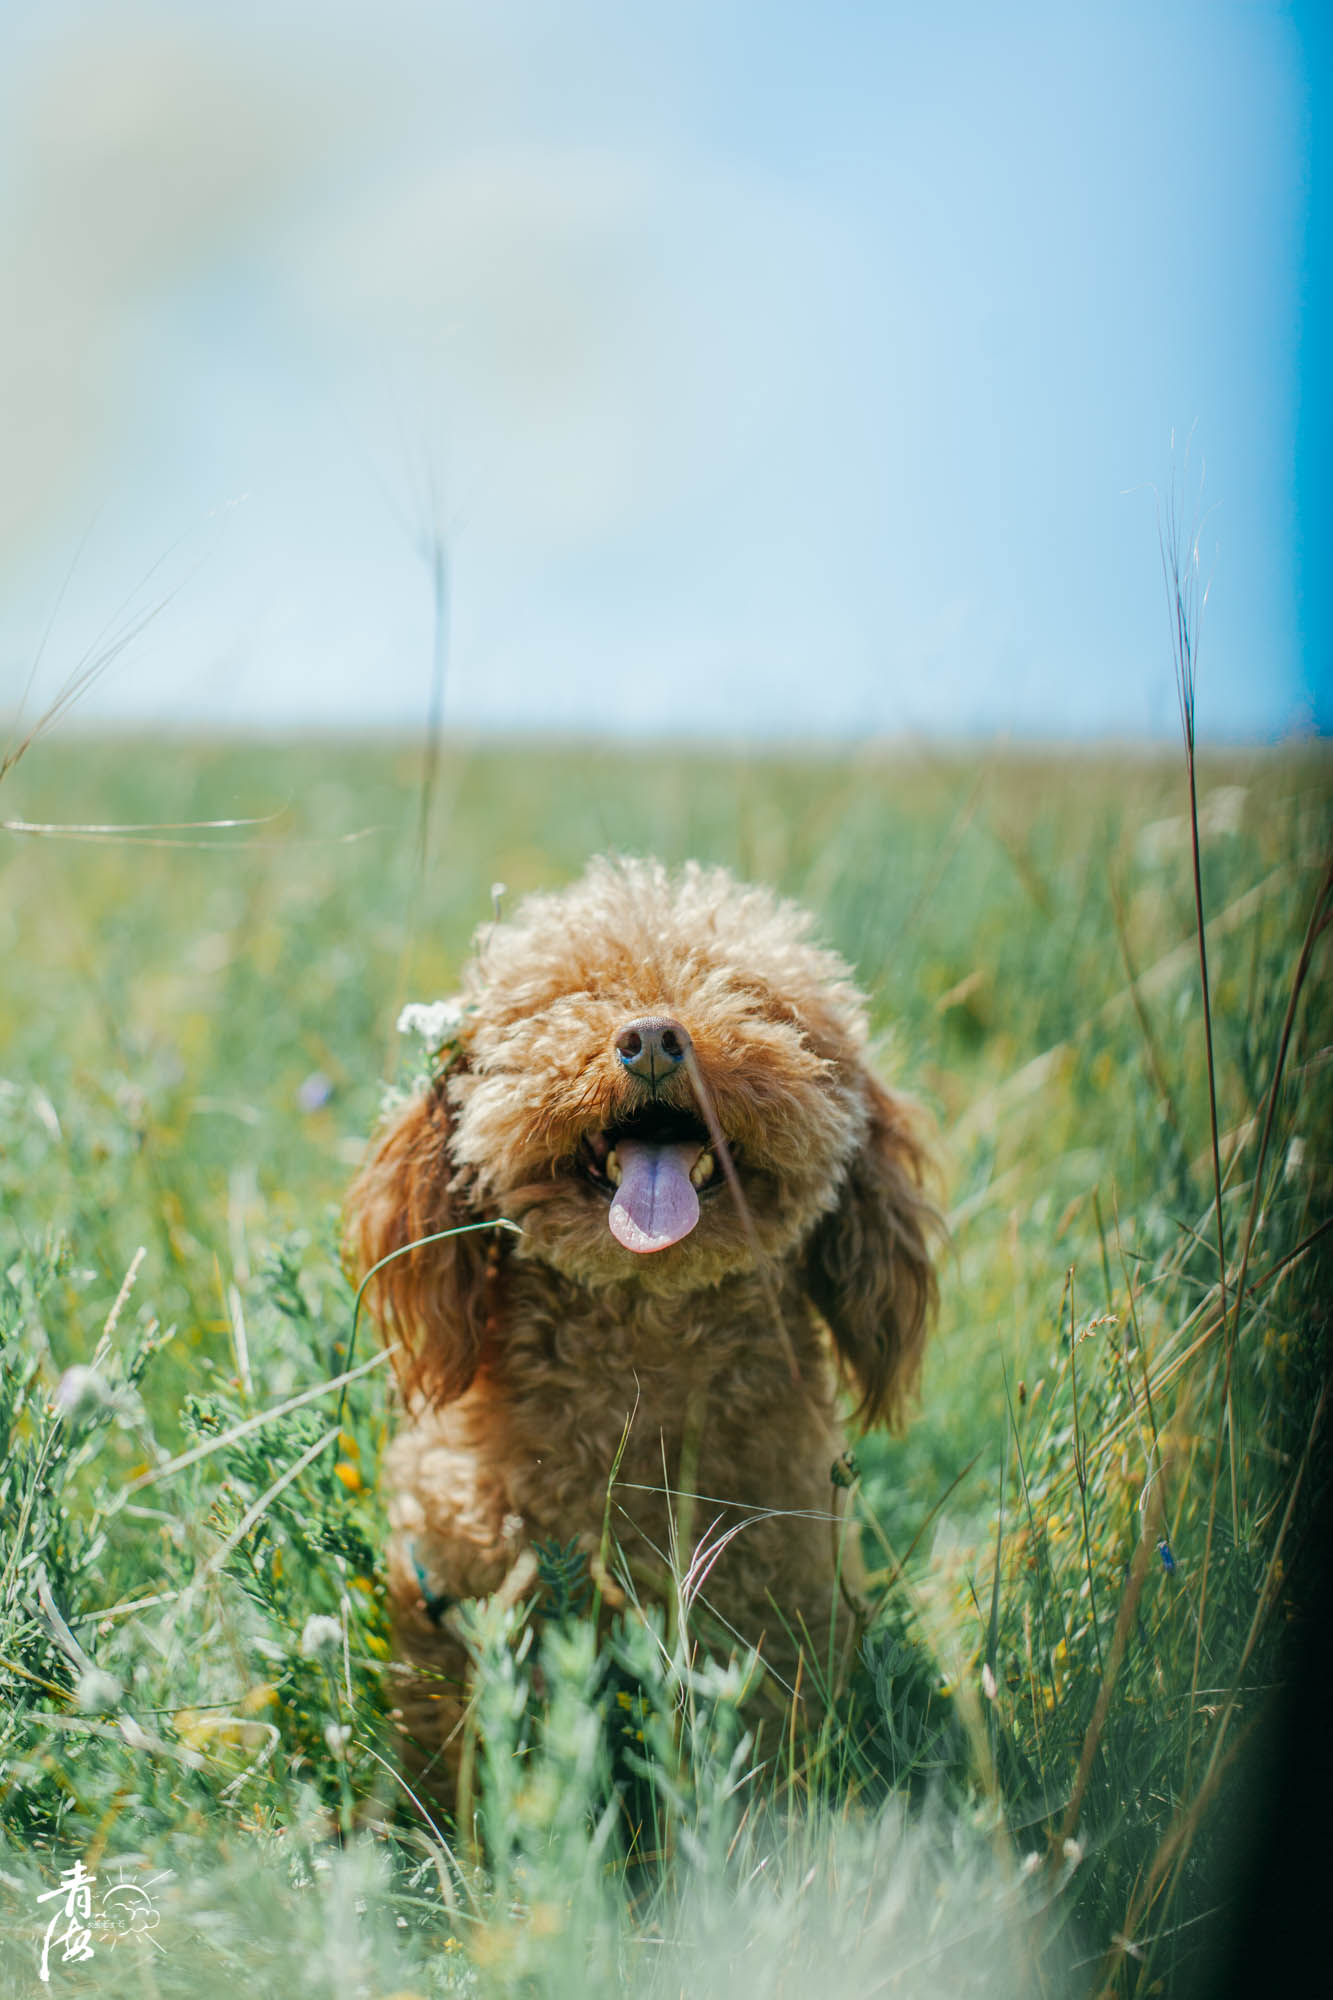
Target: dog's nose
[(652, 1049)]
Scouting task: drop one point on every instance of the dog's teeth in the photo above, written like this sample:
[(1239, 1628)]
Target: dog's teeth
[(702, 1170), (612, 1169)]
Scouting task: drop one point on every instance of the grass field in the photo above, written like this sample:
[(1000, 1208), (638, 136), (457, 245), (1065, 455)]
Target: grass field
[(1089, 1544)]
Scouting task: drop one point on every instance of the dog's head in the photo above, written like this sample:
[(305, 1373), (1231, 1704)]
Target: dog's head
[(660, 1079)]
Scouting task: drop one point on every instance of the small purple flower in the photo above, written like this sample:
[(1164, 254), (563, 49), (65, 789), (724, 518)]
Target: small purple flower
[(314, 1093)]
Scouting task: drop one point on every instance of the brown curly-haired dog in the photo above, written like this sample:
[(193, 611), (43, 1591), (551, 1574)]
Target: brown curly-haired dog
[(664, 1083)]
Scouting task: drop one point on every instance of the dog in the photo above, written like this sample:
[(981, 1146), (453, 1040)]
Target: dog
[(663, 1082)]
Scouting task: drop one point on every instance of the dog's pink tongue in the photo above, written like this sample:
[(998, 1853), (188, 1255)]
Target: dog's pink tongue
[(655, 1203)]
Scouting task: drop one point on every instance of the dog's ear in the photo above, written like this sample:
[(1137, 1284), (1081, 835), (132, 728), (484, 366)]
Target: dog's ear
[(435, 1302), (869, 1269)]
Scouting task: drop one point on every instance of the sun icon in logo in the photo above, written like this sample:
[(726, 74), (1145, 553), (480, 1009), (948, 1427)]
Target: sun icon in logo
[(127, 1910)]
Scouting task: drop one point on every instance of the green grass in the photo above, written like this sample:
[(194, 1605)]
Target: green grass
[(1061, 1667)]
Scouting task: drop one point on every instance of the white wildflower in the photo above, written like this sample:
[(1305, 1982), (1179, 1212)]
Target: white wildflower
[(97, 1691), (81, 1391), (338, 1735), (436, 1021), (1029, 1864), (988, 1687), (1073, 1853), (1295, 1159), (48, 1115), (321, 1635)]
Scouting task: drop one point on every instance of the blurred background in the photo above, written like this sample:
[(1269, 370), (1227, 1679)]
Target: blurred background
[(765, 371), (442, 441)]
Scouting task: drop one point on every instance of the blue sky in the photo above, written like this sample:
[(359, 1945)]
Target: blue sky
[(769, 371)]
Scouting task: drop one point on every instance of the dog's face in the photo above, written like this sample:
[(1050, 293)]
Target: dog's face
[(617, 1034), (662, 1082)]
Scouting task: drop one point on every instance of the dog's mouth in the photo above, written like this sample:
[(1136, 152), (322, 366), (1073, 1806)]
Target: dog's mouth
[(654, 1165)]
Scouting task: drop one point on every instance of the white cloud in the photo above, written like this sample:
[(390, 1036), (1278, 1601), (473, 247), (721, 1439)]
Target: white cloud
[(602, 330), (139, 156)]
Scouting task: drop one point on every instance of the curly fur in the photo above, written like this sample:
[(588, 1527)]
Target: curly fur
[(522, 1360)]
